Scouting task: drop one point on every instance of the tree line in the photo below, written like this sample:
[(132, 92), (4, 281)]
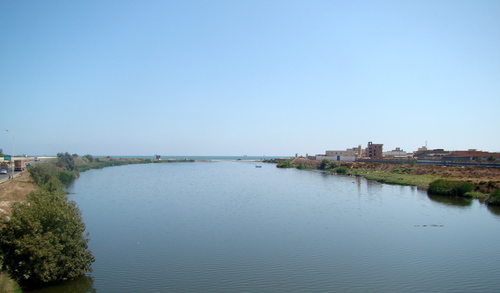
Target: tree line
[(43, 241)]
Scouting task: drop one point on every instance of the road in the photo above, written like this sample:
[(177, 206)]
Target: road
[(5, 177)]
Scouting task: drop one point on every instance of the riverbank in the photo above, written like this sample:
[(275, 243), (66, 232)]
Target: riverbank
[(485, 180)]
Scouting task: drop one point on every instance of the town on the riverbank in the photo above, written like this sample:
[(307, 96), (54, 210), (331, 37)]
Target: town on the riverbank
[(470, 173), (375, 153)]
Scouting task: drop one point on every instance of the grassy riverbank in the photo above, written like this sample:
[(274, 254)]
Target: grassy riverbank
[(484, 180), (88, 162)]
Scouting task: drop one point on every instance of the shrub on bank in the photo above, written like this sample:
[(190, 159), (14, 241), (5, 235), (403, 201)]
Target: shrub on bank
[(42, 173), (449, 187), (341, 170), (303, 166), (494, 198), (285, 164), (474, 194), (328, 164), (43, 241), (67, 177)]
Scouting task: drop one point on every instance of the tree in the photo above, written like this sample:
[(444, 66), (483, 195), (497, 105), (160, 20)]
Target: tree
[(66, 162), (43, 241), (89, 158), (45, 176)]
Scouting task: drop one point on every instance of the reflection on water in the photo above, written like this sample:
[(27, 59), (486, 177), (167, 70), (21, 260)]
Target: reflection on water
[(457, 201), (80, 285), (231, 227), (494, 209)]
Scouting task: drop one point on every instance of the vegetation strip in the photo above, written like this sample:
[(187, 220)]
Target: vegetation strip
[(453, 181), (42, 241)]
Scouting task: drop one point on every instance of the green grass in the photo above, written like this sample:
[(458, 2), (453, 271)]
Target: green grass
[(99, 163), (494, 198), (475, 194), (450, 187), (7, 285), (394, 177)]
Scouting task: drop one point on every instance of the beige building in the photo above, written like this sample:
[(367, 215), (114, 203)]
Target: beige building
[(396, 153), (341, 155)]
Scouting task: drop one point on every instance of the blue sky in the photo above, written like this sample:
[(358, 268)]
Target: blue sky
[(248, 77)]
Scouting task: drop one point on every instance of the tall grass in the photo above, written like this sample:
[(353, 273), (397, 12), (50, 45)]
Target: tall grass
[(449, 187), (494, 198)]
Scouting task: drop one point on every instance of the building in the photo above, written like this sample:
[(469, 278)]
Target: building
[(374, 151), (341, 155), (471, 155), (396, 153), (424, 154)]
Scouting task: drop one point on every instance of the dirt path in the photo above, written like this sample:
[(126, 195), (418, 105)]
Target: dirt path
[(14, 191)]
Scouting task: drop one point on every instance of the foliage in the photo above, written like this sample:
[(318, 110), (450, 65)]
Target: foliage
[(449, 187), (324, 164), (66, 161), (402, 171), (303, 166), (9, 285), (474, 194), (341, 170), (89, 158), (285, 164), (45, 176), (494, 198), (328, 164), (43, 241), (492, 158), (67, 177)]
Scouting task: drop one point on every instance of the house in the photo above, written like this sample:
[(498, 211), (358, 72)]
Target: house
[(341, 155), (471, 155), (374, 151), (396, 153)]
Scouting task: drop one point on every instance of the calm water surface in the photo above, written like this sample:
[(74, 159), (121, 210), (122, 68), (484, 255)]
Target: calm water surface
[(232, 227)]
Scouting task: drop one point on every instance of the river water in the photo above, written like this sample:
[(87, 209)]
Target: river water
[(232, 227)]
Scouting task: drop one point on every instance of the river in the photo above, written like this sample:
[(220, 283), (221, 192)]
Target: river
[(232, 227)]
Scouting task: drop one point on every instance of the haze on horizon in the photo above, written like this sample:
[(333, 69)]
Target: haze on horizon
[(248, 77)]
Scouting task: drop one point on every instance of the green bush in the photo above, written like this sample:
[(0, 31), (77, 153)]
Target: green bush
[(66, 162), (303, 166), (43, 173), (89, 158), (341, 170), (324, 164), (449, 187), (285, 164), (494, 198), (43, 241), (328, 164), (67, 177), (475, 194), (402, 171)]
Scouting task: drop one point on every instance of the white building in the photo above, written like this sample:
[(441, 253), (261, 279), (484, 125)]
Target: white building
[(345, 155), (396, 153)]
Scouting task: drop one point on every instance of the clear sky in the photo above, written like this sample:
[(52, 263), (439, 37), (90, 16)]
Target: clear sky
[(248, 77)]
